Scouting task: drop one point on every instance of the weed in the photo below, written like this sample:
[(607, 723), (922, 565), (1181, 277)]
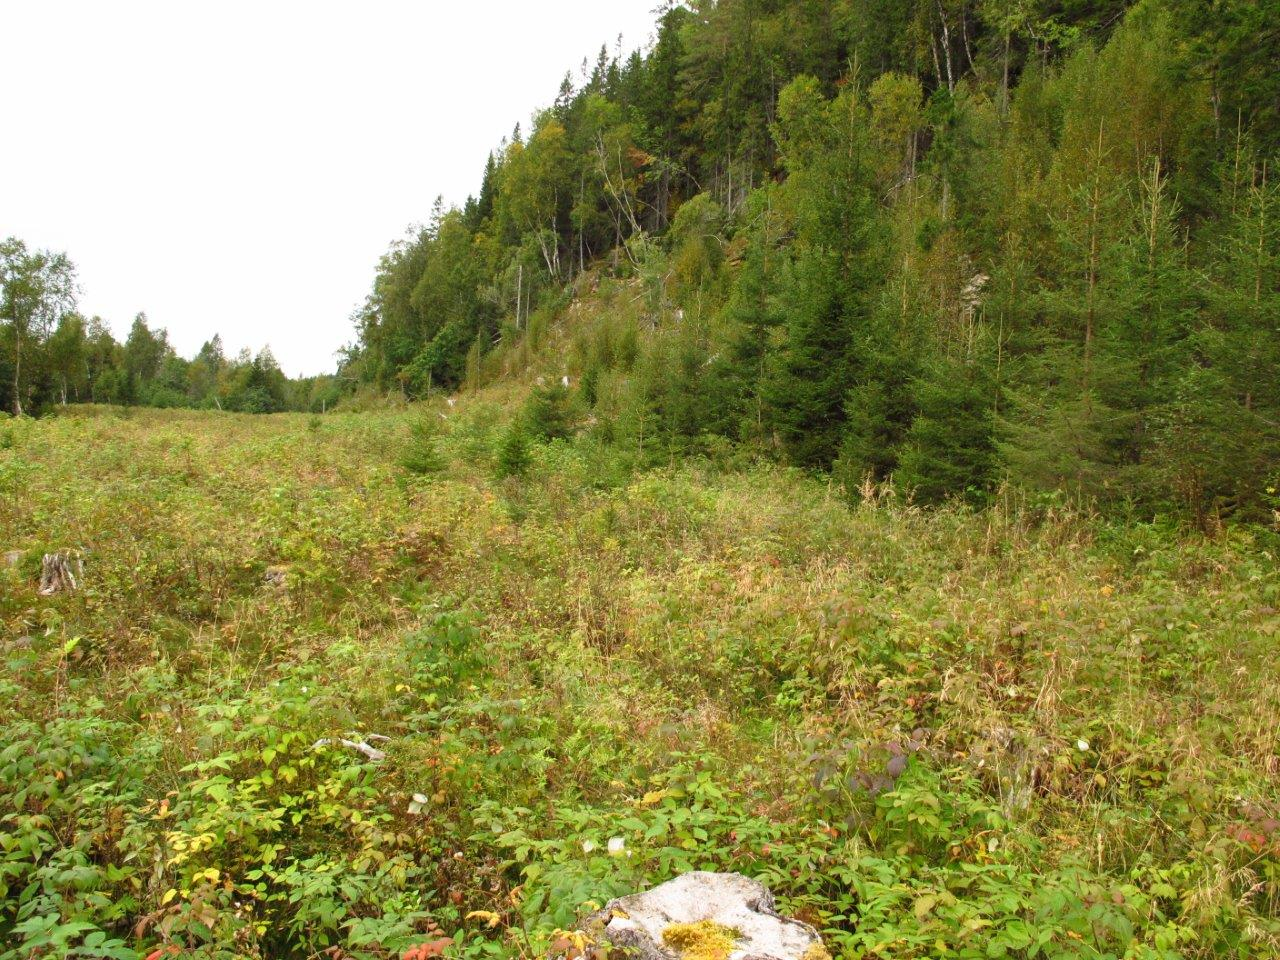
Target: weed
[(1017, 731)]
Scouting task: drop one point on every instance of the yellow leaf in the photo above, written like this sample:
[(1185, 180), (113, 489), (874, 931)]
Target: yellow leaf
[(168, 895), (490, 918), (653, 797), (924, 905)]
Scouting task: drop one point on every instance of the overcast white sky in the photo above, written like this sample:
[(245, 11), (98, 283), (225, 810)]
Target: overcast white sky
[(238, 167)]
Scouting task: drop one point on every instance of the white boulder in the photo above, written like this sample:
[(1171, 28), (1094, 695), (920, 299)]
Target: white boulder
[(705, 916)]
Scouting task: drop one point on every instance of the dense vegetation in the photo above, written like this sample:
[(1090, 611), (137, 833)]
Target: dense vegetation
[(847, 453), (1018, 732), (952, 242), (51, 355)]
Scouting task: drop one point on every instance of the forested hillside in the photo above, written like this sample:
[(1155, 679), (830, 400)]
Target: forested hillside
[(844, 451), (51, 355), (952, 242)]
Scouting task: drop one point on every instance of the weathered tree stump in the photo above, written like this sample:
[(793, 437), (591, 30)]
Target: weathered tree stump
[(59, 572)]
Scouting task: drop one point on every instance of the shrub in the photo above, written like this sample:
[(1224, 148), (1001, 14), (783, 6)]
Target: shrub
[(546, 413), (513, 453), (422, 456)]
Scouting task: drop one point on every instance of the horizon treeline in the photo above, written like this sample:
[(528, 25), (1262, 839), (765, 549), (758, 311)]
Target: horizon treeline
[(51, 355), (953, 242)]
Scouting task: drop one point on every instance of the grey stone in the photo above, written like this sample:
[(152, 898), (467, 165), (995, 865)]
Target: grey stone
[(745, 907)]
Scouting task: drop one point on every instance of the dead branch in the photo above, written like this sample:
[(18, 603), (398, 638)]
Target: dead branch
[(373, 753)]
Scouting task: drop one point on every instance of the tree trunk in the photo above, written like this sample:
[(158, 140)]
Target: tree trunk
[(946, 48), (1091, 278), (1004, 82), (968, 51), (1262, 235), (17, 368)]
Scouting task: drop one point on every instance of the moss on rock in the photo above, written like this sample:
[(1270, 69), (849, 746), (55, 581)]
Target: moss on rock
[(704, 940)]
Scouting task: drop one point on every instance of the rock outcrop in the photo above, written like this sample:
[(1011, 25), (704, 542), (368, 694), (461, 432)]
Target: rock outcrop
[(704, 916)]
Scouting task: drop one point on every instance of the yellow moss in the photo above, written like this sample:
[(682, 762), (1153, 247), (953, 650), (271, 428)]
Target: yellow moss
[(816, 951), (703, 940)]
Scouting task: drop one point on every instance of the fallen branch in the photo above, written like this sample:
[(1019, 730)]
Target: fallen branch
[(373, 753)]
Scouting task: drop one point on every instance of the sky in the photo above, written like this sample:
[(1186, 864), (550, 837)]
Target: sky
[(239, 167)]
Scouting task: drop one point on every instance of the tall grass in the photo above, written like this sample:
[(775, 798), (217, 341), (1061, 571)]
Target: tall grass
[(1024, 731)]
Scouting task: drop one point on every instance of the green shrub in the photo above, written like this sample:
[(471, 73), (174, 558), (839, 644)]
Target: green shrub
[(513, 458), (422, 456), (546, 414)]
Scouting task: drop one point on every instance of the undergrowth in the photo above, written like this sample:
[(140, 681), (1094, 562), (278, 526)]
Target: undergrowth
[(1016, 732)]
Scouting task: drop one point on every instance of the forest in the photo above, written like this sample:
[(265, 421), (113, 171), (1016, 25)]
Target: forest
[(51, 355), (837, 445), (956, 243)]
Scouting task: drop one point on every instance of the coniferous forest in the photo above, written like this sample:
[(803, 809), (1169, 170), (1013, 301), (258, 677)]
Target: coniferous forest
[(954, 242), (838, 445)]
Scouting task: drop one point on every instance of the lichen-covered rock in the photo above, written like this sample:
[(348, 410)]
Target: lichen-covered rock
[(704, 916)]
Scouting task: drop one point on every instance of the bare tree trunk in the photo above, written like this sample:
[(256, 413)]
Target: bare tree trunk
[(946, 48), (17, 368), (968, 51), (1262, 233), (1091, 273), (1004, 82), (582, 192)]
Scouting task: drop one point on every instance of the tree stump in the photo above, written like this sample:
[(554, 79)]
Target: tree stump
[(59, 571)]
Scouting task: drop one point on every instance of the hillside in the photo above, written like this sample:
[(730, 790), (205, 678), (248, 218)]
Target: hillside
[(953, 244), (1023, 731), (839, 443)]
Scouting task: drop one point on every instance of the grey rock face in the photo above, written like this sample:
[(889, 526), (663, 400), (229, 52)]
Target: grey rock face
[(741, 907)]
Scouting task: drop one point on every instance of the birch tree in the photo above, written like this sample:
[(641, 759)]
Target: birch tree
[(36, 289)]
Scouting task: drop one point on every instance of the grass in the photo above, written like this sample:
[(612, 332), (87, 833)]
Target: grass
[(1017, 732)]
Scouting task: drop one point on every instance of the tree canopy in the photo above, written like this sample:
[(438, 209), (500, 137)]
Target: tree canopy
[(953, 243)]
